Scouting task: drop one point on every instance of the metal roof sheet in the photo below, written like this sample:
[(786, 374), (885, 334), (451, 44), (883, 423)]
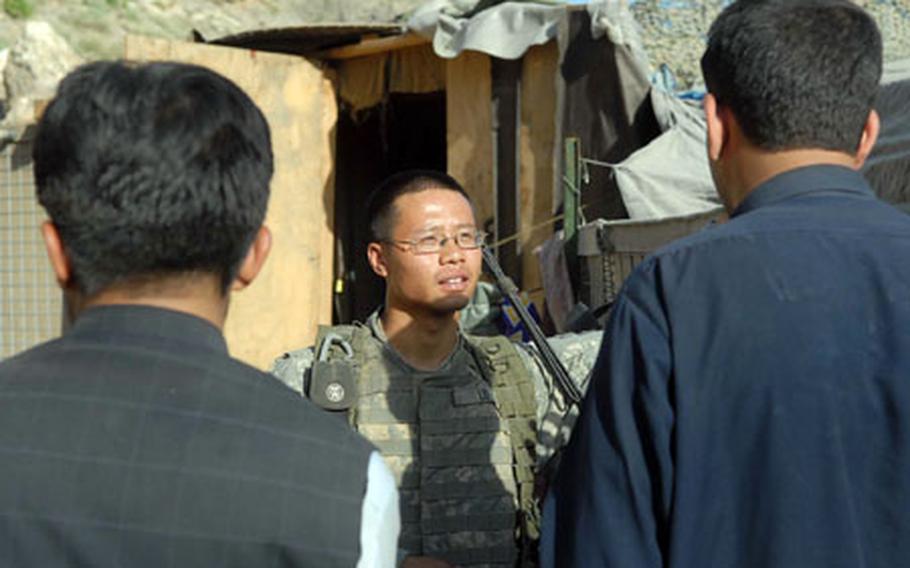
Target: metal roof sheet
[(309, 39)]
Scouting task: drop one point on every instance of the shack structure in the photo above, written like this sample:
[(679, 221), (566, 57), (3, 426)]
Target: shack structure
[(349, 105)]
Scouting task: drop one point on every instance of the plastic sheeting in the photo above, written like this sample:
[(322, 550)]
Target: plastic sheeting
[(667, 178), (670, 176), (888, 167), (505, 30)]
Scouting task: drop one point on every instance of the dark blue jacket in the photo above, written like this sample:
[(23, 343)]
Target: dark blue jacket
[(751, 402)]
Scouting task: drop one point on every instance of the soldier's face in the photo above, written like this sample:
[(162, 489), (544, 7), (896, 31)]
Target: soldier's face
[(440, 282)]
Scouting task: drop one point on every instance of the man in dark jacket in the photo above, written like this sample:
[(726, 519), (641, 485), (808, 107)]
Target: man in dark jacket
[(135, 439), (750, 406)]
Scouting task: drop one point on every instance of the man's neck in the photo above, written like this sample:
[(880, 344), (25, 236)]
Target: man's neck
[(190, 296), (758, 166), (425, 341)]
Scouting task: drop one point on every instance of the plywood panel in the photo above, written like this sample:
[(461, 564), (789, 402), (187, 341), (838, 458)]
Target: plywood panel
[(537, 144), (416, 70), (282, 309), (469, 127)]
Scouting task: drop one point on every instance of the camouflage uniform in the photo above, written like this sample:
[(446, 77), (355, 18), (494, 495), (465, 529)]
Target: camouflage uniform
[(465, 441)]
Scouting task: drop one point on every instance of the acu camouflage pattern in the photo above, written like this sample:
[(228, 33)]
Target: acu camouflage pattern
[(463, 441), (555, 416), (460, 441)]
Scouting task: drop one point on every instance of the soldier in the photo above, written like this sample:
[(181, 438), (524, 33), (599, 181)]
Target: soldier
[(465, 422)]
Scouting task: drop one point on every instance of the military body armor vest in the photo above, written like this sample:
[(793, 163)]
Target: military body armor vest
[(460, 442)]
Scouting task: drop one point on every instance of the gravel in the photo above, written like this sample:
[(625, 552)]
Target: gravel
[(673, 32)]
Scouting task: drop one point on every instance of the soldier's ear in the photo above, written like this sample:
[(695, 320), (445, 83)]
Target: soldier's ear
[(377, 260)]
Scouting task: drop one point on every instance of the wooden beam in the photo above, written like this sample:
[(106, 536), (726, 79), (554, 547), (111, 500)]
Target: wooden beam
[(373, 46), (506, 83), (537, 157), (469, 128)]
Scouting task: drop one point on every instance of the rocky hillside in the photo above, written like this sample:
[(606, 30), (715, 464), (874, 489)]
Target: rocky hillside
[(673, 32), (40, 40), (95, 28)]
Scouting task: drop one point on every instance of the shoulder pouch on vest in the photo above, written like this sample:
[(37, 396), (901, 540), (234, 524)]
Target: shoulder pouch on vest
[(333, 384)]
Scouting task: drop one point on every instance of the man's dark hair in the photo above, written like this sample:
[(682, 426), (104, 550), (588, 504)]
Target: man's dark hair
[(795, 73), (151, 171), (381, 204)]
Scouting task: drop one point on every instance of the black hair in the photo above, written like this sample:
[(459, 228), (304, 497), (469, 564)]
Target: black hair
[(151, 171), (381, 204), (795, 73)]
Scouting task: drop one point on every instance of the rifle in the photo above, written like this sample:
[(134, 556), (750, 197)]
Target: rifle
[(552, 363)]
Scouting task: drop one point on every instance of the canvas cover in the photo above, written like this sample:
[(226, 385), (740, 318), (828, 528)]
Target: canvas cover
[(888, 168), (670, 176), (501, 29)]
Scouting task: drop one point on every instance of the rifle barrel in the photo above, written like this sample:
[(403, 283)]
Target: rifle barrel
[(554, 366)]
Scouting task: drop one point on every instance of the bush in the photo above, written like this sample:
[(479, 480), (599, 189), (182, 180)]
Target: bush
[(18, 8)]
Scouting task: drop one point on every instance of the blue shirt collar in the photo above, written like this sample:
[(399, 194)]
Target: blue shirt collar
[(801, 181), (149, 326)]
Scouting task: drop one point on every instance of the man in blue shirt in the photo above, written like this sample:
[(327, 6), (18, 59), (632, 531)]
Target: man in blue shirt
[(751, 402)]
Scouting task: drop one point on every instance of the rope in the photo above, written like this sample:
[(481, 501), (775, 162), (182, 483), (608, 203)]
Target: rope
[(537, 227), (599, 163), (586, 177)]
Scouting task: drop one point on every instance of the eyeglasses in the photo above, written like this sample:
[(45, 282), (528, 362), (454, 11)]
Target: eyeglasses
[(466, 239)]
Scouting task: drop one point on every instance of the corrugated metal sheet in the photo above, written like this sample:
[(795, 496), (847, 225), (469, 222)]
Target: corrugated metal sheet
[(308, 40)]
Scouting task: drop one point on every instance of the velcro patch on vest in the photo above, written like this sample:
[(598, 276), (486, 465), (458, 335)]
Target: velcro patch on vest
[(476, 393)]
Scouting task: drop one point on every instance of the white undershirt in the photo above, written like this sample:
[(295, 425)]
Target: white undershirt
[(379, 521)]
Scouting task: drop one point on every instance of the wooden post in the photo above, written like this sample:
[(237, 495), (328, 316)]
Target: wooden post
[(506, 82)]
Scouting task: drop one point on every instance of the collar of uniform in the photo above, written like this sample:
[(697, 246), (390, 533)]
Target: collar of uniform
[(801, 181), (149, 326), (375, 324)]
